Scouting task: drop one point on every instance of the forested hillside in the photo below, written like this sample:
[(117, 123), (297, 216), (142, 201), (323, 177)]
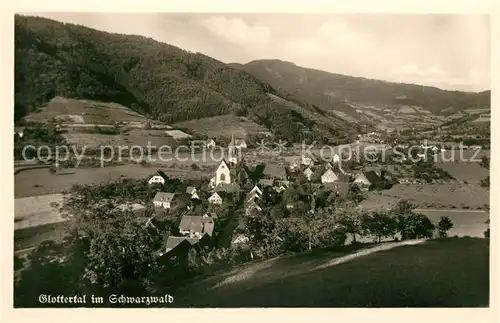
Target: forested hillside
[(328, 90), (162, 81)]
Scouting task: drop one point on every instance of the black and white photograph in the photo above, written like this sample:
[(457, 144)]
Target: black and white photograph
[(251, 160)]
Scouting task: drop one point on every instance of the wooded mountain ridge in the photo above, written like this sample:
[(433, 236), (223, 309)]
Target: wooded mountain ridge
[(161, 81)]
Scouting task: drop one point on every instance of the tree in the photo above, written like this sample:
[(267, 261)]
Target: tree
[(355, 194), (379, 224), (487, 232), (351, 221), (444, 225), (485, 162)]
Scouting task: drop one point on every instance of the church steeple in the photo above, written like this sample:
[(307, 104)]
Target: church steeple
[(232, 155)]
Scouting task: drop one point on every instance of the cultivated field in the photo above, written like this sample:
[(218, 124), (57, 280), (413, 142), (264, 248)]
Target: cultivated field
[(469, 172), (446, 195), (84, 111), (92, 140), (223, 126), (41, 181)]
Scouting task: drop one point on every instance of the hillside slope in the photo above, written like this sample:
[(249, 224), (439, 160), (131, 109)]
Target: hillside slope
[(437, 273), (328, 90), (159, 80)]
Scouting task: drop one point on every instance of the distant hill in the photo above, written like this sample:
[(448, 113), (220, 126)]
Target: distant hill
[(158, 80), (331, 91)]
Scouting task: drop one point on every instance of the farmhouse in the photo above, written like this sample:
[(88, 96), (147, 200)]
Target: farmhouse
[(196, 226), (266, 182), (191, 190), (156, 179), (308, 173), (179, 243), (329, 176), (163, 200), (341, 189), (240, 144), (275, 172), (19, 131), (367, 179), (215, 199), (293, 162), (255, 189), (210, 144)]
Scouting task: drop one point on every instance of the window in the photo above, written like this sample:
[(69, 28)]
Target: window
[(222, 177)]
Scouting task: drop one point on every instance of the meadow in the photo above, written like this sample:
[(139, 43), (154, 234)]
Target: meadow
[(223, 126), (452, 272), (443, 195), (41, 181)]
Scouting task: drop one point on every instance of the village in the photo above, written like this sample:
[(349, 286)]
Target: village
[(245, 186)]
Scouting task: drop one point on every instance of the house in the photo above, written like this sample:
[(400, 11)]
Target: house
[(274, 172), (19, 131), (293, 162), (239, 238), (222, 174), (329, 176), (215, 199), (266, 182), (366, 179), (240, 144), (210, 143), (232, 188), (156, 179), (340, 188), (179, 243), (255, 189), (163, 200), (308, 173), (191, 190), (252, 206), (196, 226)]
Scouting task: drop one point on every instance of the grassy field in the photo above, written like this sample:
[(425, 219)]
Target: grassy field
[(84, 111), (445, 195), (37, 210), (437, 273), (32, 237), (41, 181), (470, 172), (222, 126)]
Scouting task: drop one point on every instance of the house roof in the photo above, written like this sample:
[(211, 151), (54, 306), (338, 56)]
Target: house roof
[(173, 242), (163, 197), (228, 188), (275, 171), (266, 182), (197, 223), (308, 170), (342, 188), (372, 177), (190, 189), (292, 159), (215, 195), (252, 196), (238, 142), (329, 172)]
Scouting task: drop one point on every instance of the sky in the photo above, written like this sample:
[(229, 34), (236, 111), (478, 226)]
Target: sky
[(447, 51)]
